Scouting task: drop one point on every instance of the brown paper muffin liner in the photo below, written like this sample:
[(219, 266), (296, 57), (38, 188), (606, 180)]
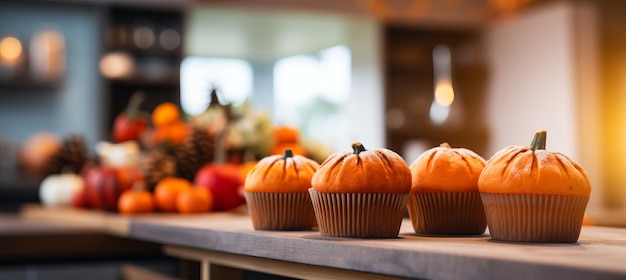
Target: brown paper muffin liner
[(459, 213), (533, 217), (360, 215), (280, 211)]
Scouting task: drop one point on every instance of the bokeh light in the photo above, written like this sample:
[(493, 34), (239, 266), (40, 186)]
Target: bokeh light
[(10, 49)]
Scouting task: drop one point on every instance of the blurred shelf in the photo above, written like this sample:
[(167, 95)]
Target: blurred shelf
[(28, 83), (153, 51), (142, 82)]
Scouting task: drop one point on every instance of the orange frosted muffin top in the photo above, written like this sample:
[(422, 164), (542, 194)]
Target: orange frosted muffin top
[(363, 171), (286, 173), (533, 170), (446, 169)]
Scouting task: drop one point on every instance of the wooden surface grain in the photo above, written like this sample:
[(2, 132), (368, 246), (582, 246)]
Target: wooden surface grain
[(599, 254), (111, 223), (26, 240)]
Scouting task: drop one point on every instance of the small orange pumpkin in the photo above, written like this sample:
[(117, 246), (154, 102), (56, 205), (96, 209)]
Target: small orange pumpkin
[(363, 171), (286, 134), (165, 113), (135, 201), (194, 200), (287, 137), (286, 173), (174, 133), (167, 190)]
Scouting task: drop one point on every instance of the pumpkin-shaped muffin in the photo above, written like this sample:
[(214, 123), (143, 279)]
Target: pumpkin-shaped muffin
[(276, 192), (444, 192), (534, 195), (361, 193)]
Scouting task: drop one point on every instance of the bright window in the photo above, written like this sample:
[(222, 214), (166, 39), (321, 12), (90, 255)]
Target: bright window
[(198, 75), (310, 92), (302, 81)]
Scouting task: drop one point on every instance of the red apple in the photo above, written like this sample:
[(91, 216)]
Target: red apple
[(130, 124), (127, 128), (79, 200), (104, 185), (224, 182)]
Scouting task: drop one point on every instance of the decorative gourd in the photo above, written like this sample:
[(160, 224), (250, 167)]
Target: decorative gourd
[(194, 200), (167, 190), (286, 134), (136, 201), (286, 173), (363, 171), (165, 113), (59, 190), (36, 153), (170, 129), (223, 180), (286, 137), (104, 185), (534, 170), (130, 124), (446, 169)]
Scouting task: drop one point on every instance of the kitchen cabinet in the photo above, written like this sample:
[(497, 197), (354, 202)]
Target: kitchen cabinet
[(147, 43), (410, 80)]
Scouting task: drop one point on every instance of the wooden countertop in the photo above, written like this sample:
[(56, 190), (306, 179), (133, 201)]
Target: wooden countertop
[(28, 240), (599, 254)]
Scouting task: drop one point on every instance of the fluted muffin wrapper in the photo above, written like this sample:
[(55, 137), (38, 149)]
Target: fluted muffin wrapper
[(534, 217), (280, 211), (359, 215), (456, 213)]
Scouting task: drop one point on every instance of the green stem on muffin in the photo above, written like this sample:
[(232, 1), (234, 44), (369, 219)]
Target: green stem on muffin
[(357, 148), (288, 153), (539, 141)]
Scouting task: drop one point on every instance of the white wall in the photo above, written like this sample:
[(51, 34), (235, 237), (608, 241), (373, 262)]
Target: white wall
[(531, 80), (366, 105), (543, 75)]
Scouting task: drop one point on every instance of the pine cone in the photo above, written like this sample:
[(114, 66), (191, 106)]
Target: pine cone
[(195, 151), (72, 157), (156, 165)]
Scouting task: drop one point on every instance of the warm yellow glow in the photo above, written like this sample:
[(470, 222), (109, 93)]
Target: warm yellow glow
[(444, 94), (117, 65), (10, 49)]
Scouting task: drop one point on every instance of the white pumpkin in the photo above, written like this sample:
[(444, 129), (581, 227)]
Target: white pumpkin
[(58, 190)]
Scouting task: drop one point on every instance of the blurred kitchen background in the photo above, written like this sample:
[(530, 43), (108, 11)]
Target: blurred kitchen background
[(402, 74)]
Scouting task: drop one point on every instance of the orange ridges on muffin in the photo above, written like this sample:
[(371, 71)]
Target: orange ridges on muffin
[(281, 173), (276, 191), (363, 171), (446, 169), (534, 195), (534, 170)]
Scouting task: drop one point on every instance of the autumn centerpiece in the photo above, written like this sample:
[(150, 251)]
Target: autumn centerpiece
[(534, 195), (276, 192), (444, 193), (361, 193)]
